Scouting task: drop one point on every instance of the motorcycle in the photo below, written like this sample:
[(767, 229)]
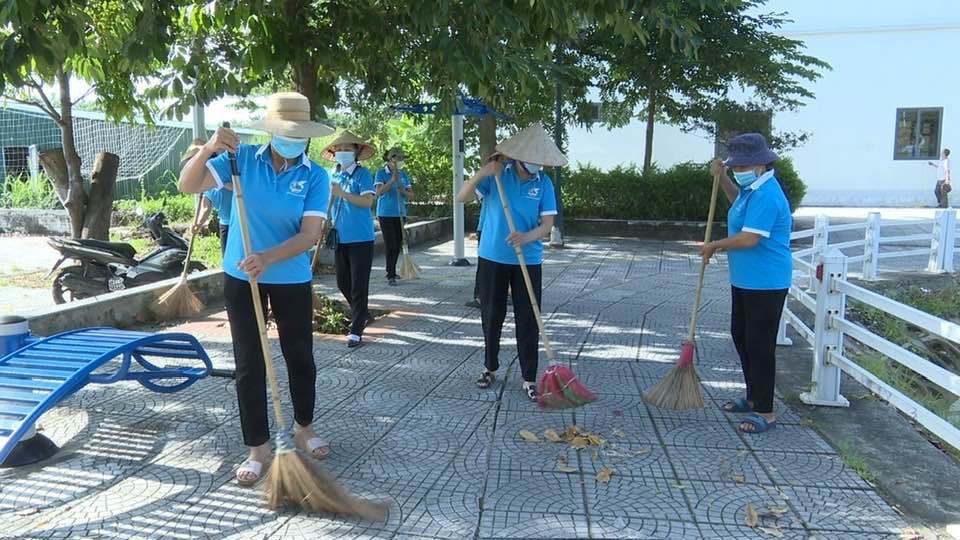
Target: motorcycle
[(105, 267)]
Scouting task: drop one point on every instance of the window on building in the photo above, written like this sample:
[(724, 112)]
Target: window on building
[(918, 133)]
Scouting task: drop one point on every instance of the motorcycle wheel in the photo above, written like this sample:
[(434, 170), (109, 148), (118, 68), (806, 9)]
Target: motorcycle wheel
[(61, 292), (196, 267)]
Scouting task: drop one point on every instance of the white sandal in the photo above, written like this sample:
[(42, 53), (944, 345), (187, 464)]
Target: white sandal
[(316, 443), (249, 466)]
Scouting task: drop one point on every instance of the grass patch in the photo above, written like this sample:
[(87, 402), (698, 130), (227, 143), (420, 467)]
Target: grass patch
[(27, 280), (855, 462)]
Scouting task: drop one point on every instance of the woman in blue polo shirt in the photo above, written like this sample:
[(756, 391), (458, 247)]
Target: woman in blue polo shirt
[(533, 204), (393, 190), (352, 226), (289, 195), (761, 269)]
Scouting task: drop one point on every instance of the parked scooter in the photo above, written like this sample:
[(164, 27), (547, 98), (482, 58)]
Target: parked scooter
[(104, 267)]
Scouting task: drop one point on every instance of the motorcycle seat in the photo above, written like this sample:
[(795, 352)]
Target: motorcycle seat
[(124, 250)]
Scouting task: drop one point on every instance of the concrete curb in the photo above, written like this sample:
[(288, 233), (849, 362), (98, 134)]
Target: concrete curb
[(34, 222), (647, 229), (136, 306)]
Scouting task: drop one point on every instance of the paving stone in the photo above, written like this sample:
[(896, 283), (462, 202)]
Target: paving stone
[(702, 434), (533, 492), (790, 438), (720, 465), (497, 525), (631, 496), (806, 469), (715, 531), (450, 509), (623, 527), (844, 510), (725, 503)]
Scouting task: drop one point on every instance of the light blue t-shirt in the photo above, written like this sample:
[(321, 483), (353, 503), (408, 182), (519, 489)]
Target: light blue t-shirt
[(391, 203), (222, 201), (354, 224), (276, 204), (762, 208), (528, 200)]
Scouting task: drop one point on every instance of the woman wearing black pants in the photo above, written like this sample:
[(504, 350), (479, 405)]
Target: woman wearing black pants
[(290, 194), (353, 194), (761, 269), (393, 191), (533, 205)]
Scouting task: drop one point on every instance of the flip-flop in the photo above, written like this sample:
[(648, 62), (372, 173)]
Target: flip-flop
[(249, 466), (759, 423), (739, 405)]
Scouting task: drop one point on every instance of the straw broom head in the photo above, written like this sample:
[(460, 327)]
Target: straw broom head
[(679, 390), (178, 302)]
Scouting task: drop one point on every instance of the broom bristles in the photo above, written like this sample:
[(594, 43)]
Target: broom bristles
[(560, 389), (292, 480), (179, 301), (408, 269), (679, 390)]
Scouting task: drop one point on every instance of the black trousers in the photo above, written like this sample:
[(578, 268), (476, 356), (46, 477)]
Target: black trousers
[(753, 324), (293, 311), (943, 199), (353, 263), (392, 241), (224, 229), (476, 276), (495, 279)]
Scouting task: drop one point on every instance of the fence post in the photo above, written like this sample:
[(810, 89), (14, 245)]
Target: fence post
[(950, 240), (871, 247), (782, 338), (825, 379), (820, 240), (935, 264)]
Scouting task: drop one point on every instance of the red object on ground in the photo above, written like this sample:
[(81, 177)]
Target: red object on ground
[(560, 389), (686, 355)]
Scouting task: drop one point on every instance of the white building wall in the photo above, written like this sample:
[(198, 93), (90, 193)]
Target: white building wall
[(883, 58)]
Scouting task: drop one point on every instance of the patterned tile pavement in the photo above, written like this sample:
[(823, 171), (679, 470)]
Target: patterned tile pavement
[(408, 426)]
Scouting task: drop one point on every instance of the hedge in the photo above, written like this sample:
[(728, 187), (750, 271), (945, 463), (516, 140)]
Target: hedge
[(679, 193)]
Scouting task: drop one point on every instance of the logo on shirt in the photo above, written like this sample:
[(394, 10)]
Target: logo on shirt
[(533, 193), (297, 187)]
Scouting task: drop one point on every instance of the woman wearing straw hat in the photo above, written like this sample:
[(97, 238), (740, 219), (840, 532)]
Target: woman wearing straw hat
[(761, 269), (217, 199), (393, 190), (352, 231), (291, 194), (529, 192)]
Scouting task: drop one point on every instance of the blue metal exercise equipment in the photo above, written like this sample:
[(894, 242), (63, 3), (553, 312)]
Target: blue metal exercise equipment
[(36, 374)]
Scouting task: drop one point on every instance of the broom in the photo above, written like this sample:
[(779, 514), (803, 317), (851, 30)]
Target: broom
[(180, 301), (558, 388), (680, 389), (292, 480), (408, 268), (315, 263)]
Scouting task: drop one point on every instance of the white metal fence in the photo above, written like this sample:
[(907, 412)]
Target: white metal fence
[(822, 288)]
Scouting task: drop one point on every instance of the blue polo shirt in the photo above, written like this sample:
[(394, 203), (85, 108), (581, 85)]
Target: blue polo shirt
[(222, 201), (391, 203), (528, 200), (276, 204), (762, 208), (354, 224)]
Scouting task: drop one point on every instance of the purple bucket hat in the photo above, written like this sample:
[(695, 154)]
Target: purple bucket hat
[(749, 149)]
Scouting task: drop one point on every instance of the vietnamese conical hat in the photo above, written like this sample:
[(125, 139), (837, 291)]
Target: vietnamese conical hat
[(288, 115), (346, 137), (533, 145)]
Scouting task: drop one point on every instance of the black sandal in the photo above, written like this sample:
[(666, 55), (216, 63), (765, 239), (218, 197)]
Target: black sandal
[(532, 392), (486, 379)]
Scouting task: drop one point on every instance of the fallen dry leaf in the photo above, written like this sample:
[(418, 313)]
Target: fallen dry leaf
[(775, 511), (739, 478), (619, 433), (679, 485), (552, 436), (529, 436), (772, 531), (580, 442), (604, 475), (27, 512), (595, 440), (571, 432), (642, 451), (566, 468), (752, 518)]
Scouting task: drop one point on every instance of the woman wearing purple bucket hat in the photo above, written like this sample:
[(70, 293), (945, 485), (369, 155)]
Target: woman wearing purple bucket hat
[(761, 269)]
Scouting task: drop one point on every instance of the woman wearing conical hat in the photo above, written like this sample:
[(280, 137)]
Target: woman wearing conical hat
[(290, 193), (518, 162), (351, 187)]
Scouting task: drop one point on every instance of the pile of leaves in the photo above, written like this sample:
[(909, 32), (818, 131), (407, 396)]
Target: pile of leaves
[(580, 439)]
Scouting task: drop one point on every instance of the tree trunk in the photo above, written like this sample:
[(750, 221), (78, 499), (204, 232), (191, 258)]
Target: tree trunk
[(648, 142), (76, 202), (305, 81), (488, 135), (56, 169), (102, 183)]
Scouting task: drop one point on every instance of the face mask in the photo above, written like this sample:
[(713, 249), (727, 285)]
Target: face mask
[(400, 164), (345, 159), (531, 168), (745, 178), (288, 147)]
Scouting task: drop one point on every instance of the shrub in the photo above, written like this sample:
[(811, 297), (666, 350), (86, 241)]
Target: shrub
[(679, 193), (23, 192), (178, 208)]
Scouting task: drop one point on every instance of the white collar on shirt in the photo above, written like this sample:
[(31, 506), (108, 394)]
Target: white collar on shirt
[(304, 160), (348, 170), (762, 180)]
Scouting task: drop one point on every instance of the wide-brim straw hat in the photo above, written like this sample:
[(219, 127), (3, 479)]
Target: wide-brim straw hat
[(395, 151), (192, 150), (288, 115), (346, 137), (532, 145)]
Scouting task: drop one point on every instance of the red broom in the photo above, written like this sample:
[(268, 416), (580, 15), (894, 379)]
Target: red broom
[(680, 389), (560, 393)]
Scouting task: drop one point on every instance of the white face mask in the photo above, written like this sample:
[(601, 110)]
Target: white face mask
[(345, 159), (531, 168), (399, 164)]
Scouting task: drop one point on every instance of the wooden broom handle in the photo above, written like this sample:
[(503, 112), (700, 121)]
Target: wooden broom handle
[(703, 264), (323, 237), (255, 293), (196, 218), (548, 347)]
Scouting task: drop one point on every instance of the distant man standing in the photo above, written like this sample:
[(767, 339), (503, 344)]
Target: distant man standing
[(943, 188)]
